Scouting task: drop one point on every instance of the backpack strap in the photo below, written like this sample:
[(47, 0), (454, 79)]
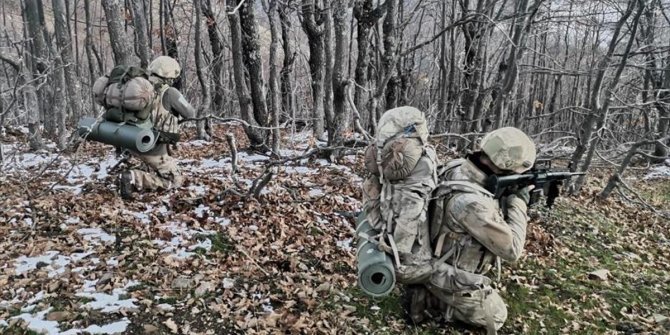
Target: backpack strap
[(444, 190)]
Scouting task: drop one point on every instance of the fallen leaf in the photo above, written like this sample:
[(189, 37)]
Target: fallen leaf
[(602, 274)]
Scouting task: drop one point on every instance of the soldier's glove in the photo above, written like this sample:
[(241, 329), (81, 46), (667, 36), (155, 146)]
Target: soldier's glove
[(523, 194)]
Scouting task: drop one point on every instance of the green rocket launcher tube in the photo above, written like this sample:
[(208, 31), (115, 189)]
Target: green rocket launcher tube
[(376, 273), (128, 136)]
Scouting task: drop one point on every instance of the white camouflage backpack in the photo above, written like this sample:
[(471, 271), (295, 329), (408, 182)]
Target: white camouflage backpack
[(403, 174)]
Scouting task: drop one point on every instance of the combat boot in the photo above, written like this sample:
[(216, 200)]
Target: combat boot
[(414, 303), (126, 185)]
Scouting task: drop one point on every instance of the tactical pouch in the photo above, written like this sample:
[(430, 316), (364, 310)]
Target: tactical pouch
[(448, 279), (115, 114)]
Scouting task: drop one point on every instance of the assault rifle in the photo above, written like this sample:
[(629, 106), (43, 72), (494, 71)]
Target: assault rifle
[(545, 182)]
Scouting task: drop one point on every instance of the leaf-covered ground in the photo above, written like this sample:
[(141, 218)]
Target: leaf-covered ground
[(76, 259)]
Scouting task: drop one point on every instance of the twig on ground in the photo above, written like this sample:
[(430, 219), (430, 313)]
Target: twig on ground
[(231, 119), (357, 115), (640, 201), (261, 182), (252, 260), (461, 136), (233, 151)]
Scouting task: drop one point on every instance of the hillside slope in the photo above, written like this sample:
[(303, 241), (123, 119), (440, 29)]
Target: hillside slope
[(75, 258)]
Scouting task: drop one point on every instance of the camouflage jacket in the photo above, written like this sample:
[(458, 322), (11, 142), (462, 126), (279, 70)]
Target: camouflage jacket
[(468, 223)]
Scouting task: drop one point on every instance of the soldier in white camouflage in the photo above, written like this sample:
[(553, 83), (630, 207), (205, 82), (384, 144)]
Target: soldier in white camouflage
[(169, 105), (471, 231)]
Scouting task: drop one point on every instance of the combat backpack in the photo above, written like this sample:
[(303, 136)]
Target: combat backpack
[(402, 169), (126, 93)]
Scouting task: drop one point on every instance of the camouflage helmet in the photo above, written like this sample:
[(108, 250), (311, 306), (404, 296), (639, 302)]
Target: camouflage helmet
[(509, 149), (165, 67)]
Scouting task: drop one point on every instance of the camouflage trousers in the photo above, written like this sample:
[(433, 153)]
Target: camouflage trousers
[(164, 172), (482, 308)]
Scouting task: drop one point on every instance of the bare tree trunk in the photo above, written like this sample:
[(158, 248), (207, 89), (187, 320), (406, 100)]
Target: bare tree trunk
[(315, 35), (252, 60), (37, 60), (390, 53), (586, 130), (171, 39), (441, 125), (31, 105), (29, 97), (60, 101), (600, 113), (256, 139), (328, 79), (288, 102), (335, 131), (140, 28), (202, 77), (65, 45), (217, 55), (510, 67), (123, 51), (474, 33), (275, 101), (88, 42), (366, 17)]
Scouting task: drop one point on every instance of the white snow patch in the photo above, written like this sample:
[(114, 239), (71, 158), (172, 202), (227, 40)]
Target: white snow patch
[(28, 222), (206, 244), (72, 220), (299, 170), (108, 303), (659, 172), (290, 153), (55, 263), (117, 327), (222, 221), (316, 192), (198, 189), (106, 165), (198, 143), (266, 306), (300, 137), (201, 210), (142, 216), (213, 164), (16, 161), (181, 237), (228, 283), (75, 189), (344, 244), (96, 234), (3, 323), (113, 262), (246, 157), (81, 171), (39, 296), (37, 323), (350, 158), (28, 309), (165, 307)]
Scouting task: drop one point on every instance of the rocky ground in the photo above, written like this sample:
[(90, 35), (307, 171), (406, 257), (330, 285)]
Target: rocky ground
[(205, 259)]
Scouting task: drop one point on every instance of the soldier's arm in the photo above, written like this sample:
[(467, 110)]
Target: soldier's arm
[(176, 103), (483, 221)]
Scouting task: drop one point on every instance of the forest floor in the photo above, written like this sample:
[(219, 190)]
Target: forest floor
[(76, 259)]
